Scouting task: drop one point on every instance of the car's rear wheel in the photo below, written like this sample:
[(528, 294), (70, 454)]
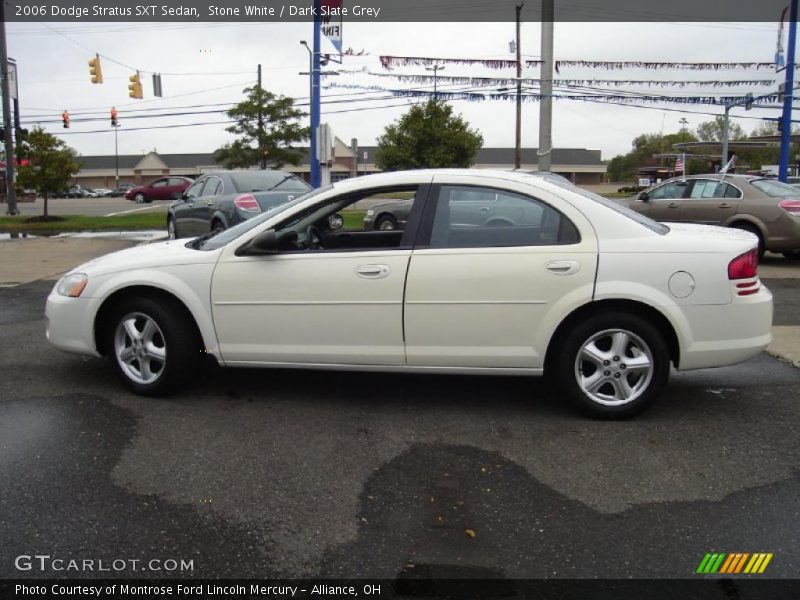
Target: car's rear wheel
[(754, 230), (172, 229), (153, 345), (139, 198), (386, 223), (613, 365), (217, 226), (793, 255)]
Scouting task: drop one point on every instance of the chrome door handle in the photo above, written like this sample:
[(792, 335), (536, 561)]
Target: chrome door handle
[(563, 267), (373, 271), (484, 209)]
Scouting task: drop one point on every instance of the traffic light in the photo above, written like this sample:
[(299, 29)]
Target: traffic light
[(65, 119), (94, 69), (113, 117), (135, 86)]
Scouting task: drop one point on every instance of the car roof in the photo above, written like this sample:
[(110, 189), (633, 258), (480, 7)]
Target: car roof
[(422, 175)]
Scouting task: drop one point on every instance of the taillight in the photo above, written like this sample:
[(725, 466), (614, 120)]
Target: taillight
[(790, 206), (744, 266), (247, 202)]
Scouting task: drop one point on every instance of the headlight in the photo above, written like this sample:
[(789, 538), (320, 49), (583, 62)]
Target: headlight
[(72, 285), (370, 212)]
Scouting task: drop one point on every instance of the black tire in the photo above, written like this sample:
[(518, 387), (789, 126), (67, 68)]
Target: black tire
[(793, 255), (172, 228), (217, 226), (754, 230), (570, 373), (177, 336), (139, 198), (386, 223)]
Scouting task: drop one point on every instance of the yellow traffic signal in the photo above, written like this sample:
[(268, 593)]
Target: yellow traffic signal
[(95, 71), (135, 86)]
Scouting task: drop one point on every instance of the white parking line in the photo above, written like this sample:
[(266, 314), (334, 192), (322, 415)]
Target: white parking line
[(133, 210)]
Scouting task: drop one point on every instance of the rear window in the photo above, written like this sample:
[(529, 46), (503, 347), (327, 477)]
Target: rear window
[(775, 189), (268, 181), (652, 225)]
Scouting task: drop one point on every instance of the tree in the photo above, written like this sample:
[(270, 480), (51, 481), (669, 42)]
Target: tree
[(644, 147), (712, 131), (427, 136), (267, 126), (52, 164)]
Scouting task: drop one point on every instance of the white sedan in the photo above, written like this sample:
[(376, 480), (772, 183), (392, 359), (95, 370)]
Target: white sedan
[(492, 273)]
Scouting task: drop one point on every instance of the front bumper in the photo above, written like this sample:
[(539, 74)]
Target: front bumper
[(69, 325)]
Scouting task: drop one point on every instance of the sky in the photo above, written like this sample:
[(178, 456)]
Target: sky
[(207, 65)]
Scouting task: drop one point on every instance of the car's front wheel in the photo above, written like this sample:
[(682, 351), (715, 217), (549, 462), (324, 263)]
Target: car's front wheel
[(153, 345), (386, 223), (613, 365), (139, 198)]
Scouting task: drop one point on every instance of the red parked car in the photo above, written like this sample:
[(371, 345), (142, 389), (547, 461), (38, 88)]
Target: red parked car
[(166, 188)]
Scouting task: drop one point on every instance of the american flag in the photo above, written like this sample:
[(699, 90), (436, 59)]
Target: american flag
[(680, 163)]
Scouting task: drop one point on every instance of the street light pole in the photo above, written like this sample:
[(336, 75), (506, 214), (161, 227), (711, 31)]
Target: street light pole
[(116, 157), (518, 132), (435, 69)]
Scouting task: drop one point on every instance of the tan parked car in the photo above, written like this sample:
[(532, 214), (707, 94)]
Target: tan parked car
[(766, 207)]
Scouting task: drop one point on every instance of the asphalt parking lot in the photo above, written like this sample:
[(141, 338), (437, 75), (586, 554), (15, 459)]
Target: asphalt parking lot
[(288, 473)]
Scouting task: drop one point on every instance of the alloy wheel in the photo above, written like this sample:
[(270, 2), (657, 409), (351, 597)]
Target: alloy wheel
[(614, 367), (140, 348)]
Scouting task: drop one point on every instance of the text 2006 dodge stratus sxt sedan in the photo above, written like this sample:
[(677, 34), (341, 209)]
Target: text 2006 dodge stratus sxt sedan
[(569, 284)]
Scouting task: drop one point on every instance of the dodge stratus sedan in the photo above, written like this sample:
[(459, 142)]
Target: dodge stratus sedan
[(603, 299)]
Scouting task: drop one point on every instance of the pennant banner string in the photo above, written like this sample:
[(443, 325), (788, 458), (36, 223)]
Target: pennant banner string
[(507, 81), (388, 62), (530, 97)]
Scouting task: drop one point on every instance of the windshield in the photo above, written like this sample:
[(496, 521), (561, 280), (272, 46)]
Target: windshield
[(775, 189), (227, 236), (652, 225), (263, 181)]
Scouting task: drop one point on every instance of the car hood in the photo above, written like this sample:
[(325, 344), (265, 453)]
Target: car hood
[(158, 255)]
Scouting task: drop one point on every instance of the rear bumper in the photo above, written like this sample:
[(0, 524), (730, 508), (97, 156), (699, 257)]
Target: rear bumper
[(727, 334)]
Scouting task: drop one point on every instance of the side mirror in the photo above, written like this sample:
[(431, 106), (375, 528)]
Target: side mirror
[(643, 197), (335, 221), (265, 242)]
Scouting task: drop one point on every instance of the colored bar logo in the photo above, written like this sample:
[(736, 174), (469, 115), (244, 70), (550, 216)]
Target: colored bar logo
[(734, 563)]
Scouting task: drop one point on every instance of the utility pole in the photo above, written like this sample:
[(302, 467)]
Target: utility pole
[(518, 136), (11, 195), (435, 69), (725, 135), (786, 132), (546, 103), (261, 155)]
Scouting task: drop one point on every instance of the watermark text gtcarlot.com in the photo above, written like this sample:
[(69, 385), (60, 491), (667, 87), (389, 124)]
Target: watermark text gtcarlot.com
[(48, 563)]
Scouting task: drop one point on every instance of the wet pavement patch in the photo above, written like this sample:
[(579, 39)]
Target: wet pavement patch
[(58, 498)]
